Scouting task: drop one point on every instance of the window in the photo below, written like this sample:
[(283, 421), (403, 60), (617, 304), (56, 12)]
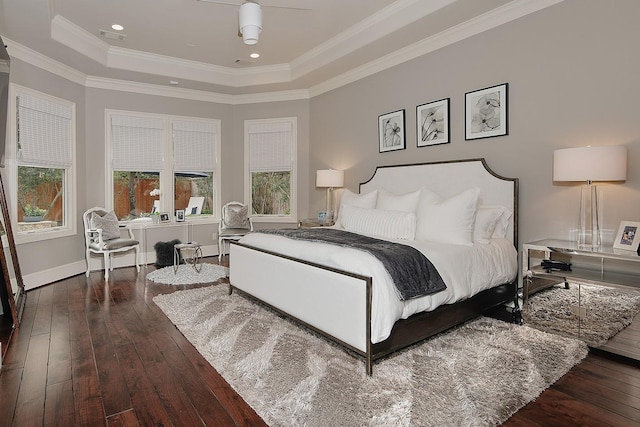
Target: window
[(161, 163), (270, 175), (45, 148), (194, 155)]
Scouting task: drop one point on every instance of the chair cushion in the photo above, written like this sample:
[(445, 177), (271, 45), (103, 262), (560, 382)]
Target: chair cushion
[(108, 223), (114, 244), (228, 232), (237, 216)]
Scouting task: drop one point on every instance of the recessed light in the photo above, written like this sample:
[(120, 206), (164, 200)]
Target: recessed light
[(191, 45), (173, 82), (117, 27), (255, 55)]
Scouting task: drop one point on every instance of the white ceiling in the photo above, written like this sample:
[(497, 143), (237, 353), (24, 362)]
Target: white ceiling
[(196, 43)]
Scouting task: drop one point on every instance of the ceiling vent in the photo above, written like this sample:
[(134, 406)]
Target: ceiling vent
[(112, 36)]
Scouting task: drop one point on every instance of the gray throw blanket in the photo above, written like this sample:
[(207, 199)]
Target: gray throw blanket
[(412, 273)]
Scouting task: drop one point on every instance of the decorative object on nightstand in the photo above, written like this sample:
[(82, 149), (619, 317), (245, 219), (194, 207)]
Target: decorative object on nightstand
[(589, 164), (329, 179), (627, 238)]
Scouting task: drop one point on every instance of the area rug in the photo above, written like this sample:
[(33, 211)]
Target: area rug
[(187, 275), (607, 311), (478, 374)]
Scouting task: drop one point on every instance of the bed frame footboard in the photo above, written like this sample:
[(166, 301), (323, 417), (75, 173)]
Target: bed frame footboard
[(307, 294)]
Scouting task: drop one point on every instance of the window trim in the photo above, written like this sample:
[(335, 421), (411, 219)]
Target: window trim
[(167, 174), (293, 215), (70, 188)]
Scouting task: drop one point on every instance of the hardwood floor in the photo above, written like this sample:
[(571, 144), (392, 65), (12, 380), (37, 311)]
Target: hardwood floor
[(96, 353)]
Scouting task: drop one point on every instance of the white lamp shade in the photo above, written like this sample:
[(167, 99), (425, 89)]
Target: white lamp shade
[(250, 22), (604, 163), (329, 178)]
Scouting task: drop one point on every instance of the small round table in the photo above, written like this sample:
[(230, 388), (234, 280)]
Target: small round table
[(191, 254)]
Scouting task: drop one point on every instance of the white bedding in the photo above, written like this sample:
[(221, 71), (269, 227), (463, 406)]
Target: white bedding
[(466, 270)]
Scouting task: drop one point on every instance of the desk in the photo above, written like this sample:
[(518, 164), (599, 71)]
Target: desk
[(160, 232)]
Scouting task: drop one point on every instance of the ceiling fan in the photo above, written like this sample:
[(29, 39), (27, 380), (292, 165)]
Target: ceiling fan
[(282, 4), (250, 14)]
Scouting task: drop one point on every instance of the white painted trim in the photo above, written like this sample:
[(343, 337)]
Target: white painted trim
[(45, 277)]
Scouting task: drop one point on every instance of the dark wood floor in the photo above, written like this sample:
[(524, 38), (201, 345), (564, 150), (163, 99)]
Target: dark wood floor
[(91, 353)]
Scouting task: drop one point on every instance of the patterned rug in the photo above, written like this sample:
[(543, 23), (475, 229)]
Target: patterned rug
[(607, 311), (478, 374)]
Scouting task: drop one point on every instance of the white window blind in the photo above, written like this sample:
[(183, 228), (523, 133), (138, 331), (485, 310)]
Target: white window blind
[(137, 143), (270, 147), (194, 146), (44, 132)]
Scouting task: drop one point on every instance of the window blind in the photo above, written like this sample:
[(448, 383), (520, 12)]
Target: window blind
[(137, 143), (194, 146), (270, 147), (44, 132)]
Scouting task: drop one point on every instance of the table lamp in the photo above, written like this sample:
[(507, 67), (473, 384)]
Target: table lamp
[(589, 164), (329, 179)]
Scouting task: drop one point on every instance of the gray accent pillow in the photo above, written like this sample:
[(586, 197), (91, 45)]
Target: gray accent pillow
[(237, 217), (108, 223)]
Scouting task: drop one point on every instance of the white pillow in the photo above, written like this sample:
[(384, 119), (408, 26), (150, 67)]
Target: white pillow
[(376, 222), (487, 218), (389, 201), (447, 220), (367, 201), (503, 224), (108, 223)]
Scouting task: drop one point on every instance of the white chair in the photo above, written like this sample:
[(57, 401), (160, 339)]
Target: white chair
[(234, 223), (102, 236)]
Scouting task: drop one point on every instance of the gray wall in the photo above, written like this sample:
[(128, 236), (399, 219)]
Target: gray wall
[(572, 71), (573, 74)]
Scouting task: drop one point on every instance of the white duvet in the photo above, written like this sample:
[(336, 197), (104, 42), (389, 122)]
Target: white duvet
[(466, 270)]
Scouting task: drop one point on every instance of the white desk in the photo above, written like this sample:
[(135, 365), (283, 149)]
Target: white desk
[(163, 231)]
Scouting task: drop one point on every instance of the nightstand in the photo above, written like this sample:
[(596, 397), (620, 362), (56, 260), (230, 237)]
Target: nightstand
[(314, 222), (602, 270), (603, 265)]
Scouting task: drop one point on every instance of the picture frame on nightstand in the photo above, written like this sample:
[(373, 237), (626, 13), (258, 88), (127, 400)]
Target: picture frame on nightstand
[(627, 237)]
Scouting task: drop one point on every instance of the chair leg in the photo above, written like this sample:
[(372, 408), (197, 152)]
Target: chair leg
[(137, 258), (220, 249), (106, 266), (88, 258)]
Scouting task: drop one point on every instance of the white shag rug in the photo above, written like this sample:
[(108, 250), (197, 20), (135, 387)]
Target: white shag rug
[(187, 275), (607, 311), (478, 374)]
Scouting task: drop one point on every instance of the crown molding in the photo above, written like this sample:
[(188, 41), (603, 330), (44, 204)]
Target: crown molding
[(392, 18), (76, 38), (494, 18), (194, 95), (30, 56)]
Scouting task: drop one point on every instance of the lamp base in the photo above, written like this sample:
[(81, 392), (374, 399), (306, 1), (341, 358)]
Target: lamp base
[(589, 231)]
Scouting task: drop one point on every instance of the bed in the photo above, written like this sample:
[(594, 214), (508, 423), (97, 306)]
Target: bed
[(464, 219)]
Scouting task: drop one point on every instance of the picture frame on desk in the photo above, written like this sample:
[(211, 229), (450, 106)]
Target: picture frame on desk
[(627, 238), (180, 215), (165, 217)]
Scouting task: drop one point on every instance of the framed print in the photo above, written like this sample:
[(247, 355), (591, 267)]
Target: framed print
[(432, 120), (486, 112), (180, 215), (391, 131), (164, 217), (627, 237)]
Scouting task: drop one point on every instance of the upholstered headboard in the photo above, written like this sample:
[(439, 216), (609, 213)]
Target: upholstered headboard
[(448, 179)]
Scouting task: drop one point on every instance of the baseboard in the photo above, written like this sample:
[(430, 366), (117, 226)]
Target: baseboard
[(44, 277)]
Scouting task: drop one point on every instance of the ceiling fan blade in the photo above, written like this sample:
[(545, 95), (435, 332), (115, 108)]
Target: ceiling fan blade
[(282, 4)]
